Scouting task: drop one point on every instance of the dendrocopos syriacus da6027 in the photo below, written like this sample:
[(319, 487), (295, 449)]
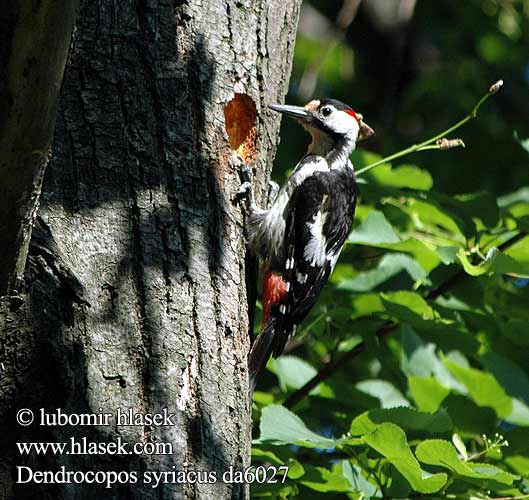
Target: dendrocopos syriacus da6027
[(301, 234)]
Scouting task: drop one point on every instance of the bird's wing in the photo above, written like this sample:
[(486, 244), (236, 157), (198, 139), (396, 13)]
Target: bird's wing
[(320, 217)]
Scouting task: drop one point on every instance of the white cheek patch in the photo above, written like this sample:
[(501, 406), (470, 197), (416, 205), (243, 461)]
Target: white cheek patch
[(315, 250), (344, 123)]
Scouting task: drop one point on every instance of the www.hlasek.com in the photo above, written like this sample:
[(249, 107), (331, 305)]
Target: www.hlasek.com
[(128, 417)]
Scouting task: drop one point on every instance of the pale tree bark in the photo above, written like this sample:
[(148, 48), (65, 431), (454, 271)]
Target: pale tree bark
[(135, 290)]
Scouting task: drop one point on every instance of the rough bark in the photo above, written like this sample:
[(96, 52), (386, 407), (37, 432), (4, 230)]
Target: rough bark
[(135, 289), (34, 40)]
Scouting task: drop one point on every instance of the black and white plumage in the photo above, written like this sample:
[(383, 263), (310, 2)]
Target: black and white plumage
[(301, 234)]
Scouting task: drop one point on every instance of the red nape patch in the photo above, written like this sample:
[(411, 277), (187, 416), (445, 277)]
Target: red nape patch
[(274, 291), (352, 113)]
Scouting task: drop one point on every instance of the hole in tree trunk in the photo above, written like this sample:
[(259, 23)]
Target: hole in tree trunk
[(240, 114)]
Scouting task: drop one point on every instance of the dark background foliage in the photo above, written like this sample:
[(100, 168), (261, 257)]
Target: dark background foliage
[(413, 72), (428, 306)]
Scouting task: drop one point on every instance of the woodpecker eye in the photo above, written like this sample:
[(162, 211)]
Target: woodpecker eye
[(326, 111)]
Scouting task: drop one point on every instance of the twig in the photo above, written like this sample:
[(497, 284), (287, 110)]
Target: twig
[(333, 366), (439, 139)]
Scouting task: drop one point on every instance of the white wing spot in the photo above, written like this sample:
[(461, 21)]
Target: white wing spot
[(333, 258), (282, 309), (289, 264), (287, 286), (302, 278), (315, 252)]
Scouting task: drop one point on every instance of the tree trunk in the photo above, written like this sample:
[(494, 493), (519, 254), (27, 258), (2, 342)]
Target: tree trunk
[(34, 40), (135, 290)]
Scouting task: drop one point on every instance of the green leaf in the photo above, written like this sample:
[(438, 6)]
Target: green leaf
[(427, 393), (481, 205), (460, 446), (292, 372), (411, 301), (295, 469), (495, 262), (403, 176), (517, 453), (514, 381), (520, 252), (390, 265), (280, 426), (434, 215), (359, 484), (386, 392), (259, 455), (374, 230), (522, 142), (390, 441), (323, 480), (365, 304), (277, 490), (411, 308), (469, 419), (519, 196), (448, 254), (419, 358), (483, 388), (406, 418), (443, 454)]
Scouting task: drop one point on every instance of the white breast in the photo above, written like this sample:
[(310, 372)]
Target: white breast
[(273, 223)]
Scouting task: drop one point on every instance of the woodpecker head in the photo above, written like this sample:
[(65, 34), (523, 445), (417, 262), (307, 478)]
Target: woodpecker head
[(331, 123)]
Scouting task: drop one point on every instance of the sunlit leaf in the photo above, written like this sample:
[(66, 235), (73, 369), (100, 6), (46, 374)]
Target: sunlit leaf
[(443, 454), (375, 229), (408, 419), (482, 387), (427, 393), (403, 176), (390, 441), (389, 266), (388, 395), (360, 484), (292, 372), (323, 480), (281, 426), (495, 262)]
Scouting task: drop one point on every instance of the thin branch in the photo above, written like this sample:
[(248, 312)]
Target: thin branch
[(333, 366), (439, 139)]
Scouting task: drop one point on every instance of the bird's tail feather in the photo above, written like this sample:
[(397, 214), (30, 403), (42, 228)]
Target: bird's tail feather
[(261, 351)]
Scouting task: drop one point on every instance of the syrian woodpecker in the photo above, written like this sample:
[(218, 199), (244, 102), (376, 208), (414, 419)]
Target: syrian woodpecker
[(301, 234)]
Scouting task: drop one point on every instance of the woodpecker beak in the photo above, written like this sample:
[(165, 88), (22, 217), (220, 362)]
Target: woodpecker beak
[(297, 112), (365, 131)]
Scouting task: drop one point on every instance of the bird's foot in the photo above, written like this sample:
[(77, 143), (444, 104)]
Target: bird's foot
[(246, 189)]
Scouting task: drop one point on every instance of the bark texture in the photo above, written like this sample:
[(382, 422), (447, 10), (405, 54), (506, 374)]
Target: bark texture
[(34, 40), (135, 289)]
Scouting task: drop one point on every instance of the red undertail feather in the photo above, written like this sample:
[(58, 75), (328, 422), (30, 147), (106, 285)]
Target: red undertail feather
[(274, 291)]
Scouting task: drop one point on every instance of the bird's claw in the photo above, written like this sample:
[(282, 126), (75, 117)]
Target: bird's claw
[(245, 190), (245, 173)]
